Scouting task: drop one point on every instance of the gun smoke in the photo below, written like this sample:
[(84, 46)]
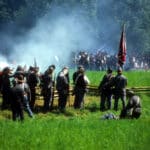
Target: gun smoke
[(56, 35)]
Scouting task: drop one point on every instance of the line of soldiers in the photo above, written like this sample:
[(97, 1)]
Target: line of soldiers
[(116, 86), (80, 81), (19, 89), (47, 87), (112, 85), (62, 86)]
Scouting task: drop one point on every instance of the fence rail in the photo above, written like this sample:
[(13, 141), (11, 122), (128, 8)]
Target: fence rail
[(93, 90)]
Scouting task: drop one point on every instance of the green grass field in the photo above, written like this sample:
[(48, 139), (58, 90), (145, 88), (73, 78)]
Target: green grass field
[(80, 129), (135, 78)]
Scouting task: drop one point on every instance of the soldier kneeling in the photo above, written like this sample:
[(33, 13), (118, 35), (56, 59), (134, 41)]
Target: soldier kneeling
[(133, 108)]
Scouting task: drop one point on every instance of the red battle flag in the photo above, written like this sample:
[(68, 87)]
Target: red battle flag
[(122, 48)]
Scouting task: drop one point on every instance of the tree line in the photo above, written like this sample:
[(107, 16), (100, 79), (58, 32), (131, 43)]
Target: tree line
[(23, 14)]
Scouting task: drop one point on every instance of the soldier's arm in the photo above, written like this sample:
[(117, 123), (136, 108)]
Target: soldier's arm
[(102, 82), (87, 81), (112, 81), (126, 82), (28, 92)]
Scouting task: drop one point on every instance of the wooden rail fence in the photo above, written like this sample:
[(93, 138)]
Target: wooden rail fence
[(93, 90)]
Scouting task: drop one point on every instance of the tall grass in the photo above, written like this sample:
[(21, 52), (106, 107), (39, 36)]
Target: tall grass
[(90, 133), (80, 129), (77, 129)]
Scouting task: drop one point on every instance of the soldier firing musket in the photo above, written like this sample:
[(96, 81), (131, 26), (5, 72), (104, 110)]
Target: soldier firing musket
[(47, 84), (62, 86), (81, 83)]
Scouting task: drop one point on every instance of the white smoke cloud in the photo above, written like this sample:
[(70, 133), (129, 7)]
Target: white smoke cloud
[(3, 62), (58, 33), (52, 40)]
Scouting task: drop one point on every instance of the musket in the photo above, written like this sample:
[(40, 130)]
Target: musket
[(25, 67), (68, 98), (35, 63), (53, 92)]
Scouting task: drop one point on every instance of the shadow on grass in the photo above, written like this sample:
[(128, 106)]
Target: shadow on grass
[(54, 110), (69, 112), (92, 107), (6, 114)]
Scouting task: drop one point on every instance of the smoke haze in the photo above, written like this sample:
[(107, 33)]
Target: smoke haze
[(56, 35), (52, 41)]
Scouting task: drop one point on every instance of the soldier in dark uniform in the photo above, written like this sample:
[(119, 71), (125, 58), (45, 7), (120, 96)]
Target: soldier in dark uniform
[(1, 74), (33, 80), (6, 87), (74, 76), (80, 89), (133, 107), (76, 73), (120, 83), (106, 90), (62, 86), (47, 84), (17, 100), (20, 82), (19, 71)]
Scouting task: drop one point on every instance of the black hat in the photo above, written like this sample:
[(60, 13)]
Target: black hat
[(52, 67), (19, 68), (7, 70), (82, 70), (80, 66), (31, 68), (65, 67)]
